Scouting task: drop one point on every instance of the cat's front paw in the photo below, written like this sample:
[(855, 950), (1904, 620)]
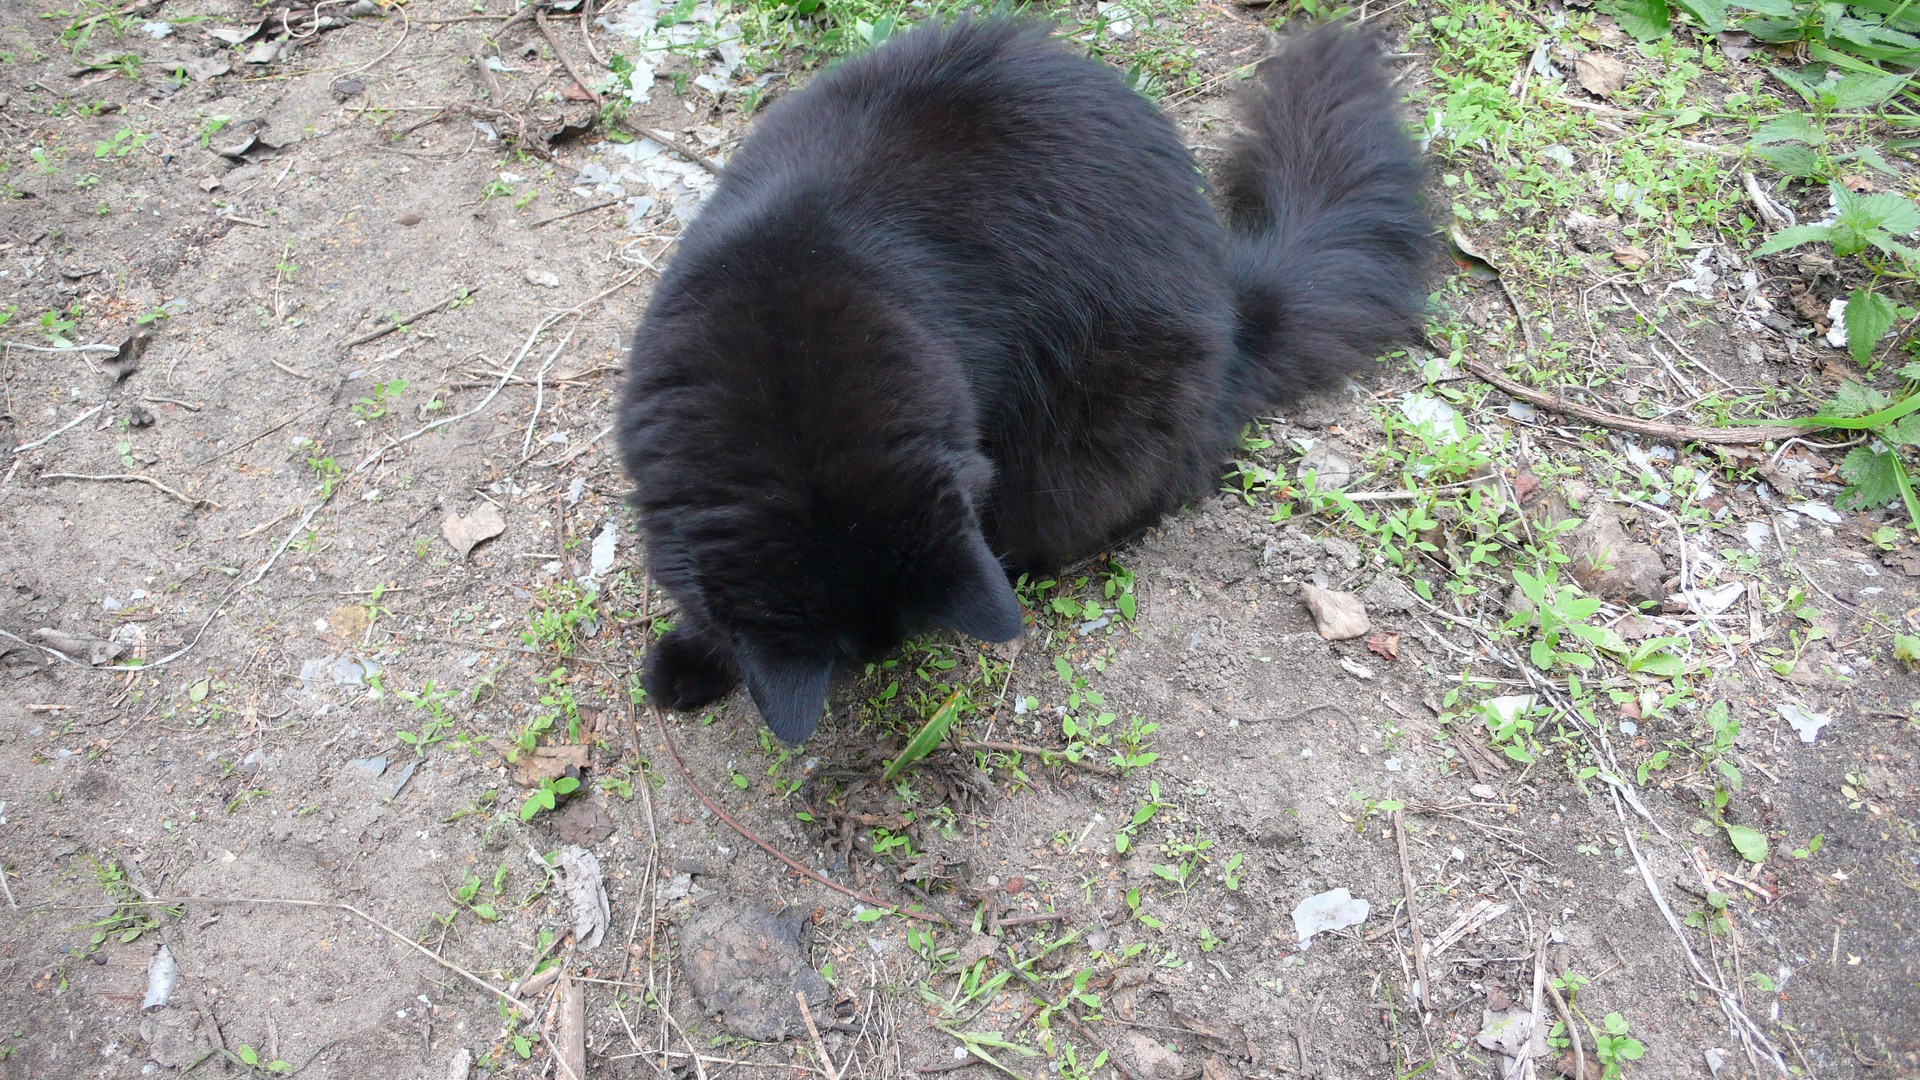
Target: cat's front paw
[(686, 672)]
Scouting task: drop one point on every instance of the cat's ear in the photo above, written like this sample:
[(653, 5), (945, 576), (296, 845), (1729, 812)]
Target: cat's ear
[(790, 691), (981, 604)]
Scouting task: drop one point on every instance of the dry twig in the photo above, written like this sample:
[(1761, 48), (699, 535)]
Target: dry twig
[(132, 478), (1413, 911), (1651, 428)]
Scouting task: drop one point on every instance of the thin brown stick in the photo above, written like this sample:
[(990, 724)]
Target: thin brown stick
[(187, 405), (1034, 920), (676, 145), (493, 83), (540, 17), (1413, 912), (136, 478), (586, 33), (405, 320), (1732, 436), (1022, 748), (674, 753), (819, 1044), (602, 205), (1566, 1019)]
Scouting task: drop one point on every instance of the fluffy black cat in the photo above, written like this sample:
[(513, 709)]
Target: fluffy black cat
[(961, 307)]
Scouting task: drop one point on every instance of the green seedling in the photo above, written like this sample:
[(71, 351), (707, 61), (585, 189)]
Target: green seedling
[(546, 796)]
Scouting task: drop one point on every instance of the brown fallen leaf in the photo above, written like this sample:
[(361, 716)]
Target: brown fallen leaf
[(463, 533), (529, 767), (1631, 257), (209, 183), (1599, 74), (583, 823), (1857, 184), (574, 92), (1385, 645)]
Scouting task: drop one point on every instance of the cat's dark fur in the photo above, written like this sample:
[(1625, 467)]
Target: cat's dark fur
[(960, 306)]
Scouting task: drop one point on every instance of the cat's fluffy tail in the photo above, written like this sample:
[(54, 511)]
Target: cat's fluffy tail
[(1328, 251)]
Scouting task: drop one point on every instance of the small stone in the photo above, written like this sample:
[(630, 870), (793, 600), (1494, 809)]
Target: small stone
[(1154, 1060), (1483, 791), (1337, 615), (409, 219)]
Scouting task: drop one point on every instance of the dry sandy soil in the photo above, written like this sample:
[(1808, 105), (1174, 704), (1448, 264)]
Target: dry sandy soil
[(246, 513)]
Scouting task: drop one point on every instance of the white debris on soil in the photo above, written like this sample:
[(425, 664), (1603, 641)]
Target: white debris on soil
[(603, 545), (1335, 909), (1807, 724), (162, 976)]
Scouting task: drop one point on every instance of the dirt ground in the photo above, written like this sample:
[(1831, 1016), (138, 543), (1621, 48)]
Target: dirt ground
[(312, 750)]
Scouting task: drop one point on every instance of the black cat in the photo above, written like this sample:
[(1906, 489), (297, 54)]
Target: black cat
[(961, 306)]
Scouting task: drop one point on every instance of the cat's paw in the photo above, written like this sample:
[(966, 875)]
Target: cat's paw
[(686, 672)]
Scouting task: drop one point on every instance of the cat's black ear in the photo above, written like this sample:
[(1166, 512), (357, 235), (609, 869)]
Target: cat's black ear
[(982, 604), (790, 691)]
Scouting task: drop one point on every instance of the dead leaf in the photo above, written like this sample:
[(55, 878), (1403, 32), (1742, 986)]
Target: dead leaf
[(463, 533), (574, 92), (1907, 562), (584, 887), (1857, 184), (1467, 256), (583, 823), (209, 183), (200, 69), (542, 762), (1384, 645), (1213, 1069), (1599, 74), (126, 361), (1631, 257), (348, 621)]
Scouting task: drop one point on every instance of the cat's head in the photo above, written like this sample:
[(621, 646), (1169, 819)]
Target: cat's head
[(809, 486)]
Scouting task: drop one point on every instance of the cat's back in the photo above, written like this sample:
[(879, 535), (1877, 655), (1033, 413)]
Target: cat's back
[(948, 132)]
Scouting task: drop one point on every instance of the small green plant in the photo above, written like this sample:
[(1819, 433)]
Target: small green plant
[(547, 795), (381, 402), (249, 1058), (1187, 858), (1876, 473), (495, 189), (326, 470), (1123, 840), (1860, 222), (211, 128), (1812, 848), (1119, 589), (1131, 752), (1558, 610), (565, 610), (55, 324), (431, 700), (1614, 1047), (122, 143)]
